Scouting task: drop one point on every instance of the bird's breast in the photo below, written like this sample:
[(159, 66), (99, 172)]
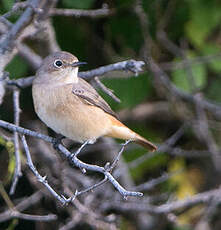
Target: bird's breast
[(66, 114)]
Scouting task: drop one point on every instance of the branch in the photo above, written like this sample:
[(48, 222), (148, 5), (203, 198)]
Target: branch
[(15, 128), (41, 179), (2, 88), (30, 56), (191, 61), (130, 65), (107, 167), (154, 182), (214, 108), (98, 13), (17, 172), (200, 198), (15, 214), (105, 89), (78, 163), (104, 170), (18, 6), (26, 203), (160, 75), (8, 41), (21, 82), (205, 135)]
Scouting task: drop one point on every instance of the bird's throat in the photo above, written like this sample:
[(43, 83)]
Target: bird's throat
[(71, 77)]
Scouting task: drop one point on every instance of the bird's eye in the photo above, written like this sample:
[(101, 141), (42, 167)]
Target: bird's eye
[(58, 63)]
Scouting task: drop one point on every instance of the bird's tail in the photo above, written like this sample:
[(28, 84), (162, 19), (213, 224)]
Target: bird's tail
[(119, 130)]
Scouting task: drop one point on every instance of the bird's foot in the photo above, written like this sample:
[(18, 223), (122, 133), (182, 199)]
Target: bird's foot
[(57, 141), (74, 154)]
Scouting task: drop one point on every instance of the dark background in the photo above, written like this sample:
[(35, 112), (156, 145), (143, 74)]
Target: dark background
[(184, 39)]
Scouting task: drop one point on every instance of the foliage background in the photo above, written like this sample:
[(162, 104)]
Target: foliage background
[(177, 31)]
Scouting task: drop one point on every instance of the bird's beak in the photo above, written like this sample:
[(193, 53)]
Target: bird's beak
[(78, 63)]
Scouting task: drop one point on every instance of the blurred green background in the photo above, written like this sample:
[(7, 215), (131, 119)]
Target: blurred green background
[(193, 26)]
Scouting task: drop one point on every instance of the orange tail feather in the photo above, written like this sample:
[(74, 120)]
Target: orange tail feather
[(146, 144), (119, 130)]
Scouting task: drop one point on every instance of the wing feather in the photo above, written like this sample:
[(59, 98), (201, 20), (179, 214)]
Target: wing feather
[(90, 96)]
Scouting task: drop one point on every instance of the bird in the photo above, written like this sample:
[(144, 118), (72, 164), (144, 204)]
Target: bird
[(70, 106)]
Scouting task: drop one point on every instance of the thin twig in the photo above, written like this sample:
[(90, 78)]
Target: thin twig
[(5, 196), (74, 160), (30, 56), (19, 215), (91, 188), (21, 23), (99, 169), (106, 89), (130, 65), (24, 204), (147, 186), (98, 13), (17, 172), (108, 167), (191, 61), (113, 165), (162, 148), (200, 198), (178, 52), (24, 131), (212, 107), (205, 134), (43, 180)]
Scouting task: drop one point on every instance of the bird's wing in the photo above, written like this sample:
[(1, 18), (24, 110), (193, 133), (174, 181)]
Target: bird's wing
[(90, 96)]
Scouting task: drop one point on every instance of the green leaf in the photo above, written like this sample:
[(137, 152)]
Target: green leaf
[(151, 164), (214, 92), (17, 68), (199, 74), (205, 16), (131, 91), (7, 4), (214, 63)]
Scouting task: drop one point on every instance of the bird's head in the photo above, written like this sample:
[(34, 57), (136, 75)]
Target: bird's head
[(59, 67)]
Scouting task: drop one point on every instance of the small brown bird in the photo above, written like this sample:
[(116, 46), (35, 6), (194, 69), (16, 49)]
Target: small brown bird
[(72, 107)]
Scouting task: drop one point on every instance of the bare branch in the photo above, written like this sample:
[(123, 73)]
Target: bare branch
[(16, 214), (21, 23), (74, 160), (21, 82), (191, 61), (118, 156), (108, 91), (130, 65), (15, 128), (24, 204), (43, 180), (200, 198), (30, 56), (214, 108), (18, 6), (153, 183), (91, 188), (98, 13), (99, 169), (205, 134), (2, 89), (17, 172)]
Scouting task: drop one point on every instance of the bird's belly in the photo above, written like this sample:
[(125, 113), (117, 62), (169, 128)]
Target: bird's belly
[(72, 119)]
